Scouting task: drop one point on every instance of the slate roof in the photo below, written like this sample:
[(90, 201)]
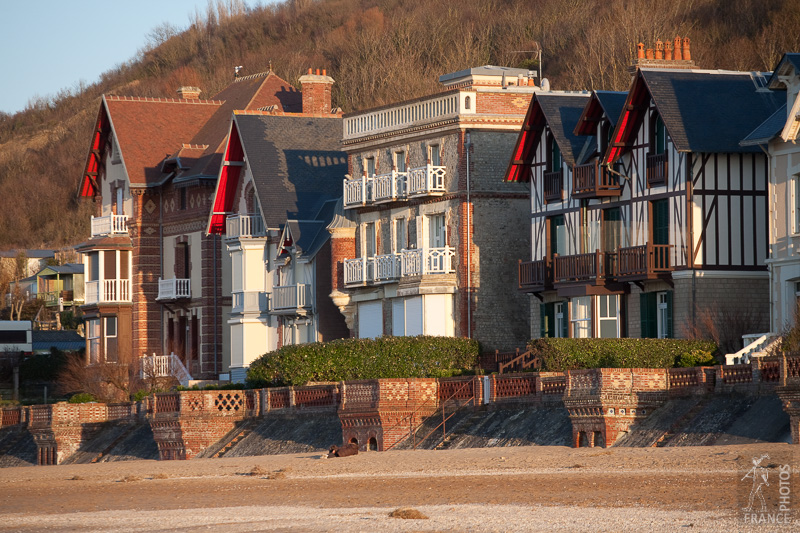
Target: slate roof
[(68, 268), (562, 113), (787, 64), (64, 340), (709, 111), (310, 235), (767, 130), (296, 161), (612, 103)]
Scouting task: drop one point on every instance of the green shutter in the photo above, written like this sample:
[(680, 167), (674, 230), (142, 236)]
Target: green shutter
[(648, 308), (670, 332), (661, 136), (661, 222), (542, 321)]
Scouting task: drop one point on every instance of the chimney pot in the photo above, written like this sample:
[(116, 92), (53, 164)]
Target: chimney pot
[(640, 51), (648, 53), (659, 49), (324, 72), (188, 93), (668, 51), (677, 49), (687, 54), (316, 92), (309, 70), (317, 72)]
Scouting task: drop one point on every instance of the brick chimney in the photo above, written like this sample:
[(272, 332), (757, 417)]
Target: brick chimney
[(316, 92), (189, 93)]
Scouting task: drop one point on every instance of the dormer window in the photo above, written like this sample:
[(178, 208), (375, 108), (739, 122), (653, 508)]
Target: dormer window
[(604, 133), (658, 135), (554, 159)]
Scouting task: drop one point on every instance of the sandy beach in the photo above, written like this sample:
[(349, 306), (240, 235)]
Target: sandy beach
[(483, 489)]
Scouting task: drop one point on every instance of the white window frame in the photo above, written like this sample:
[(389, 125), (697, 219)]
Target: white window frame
[(559, 311), (400, 161), (438, 217), (580, 319), (607, 317), (434, 155), (370, 166), (370, 239), (106, 335), (662, 310), (399, 224), (93, 336), (794, 205)]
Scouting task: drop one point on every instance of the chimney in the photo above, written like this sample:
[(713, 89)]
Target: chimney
[(668, 51), (640, 51), (659, 49), (316, 92), (189, 93), (687, 54), (677, 50)]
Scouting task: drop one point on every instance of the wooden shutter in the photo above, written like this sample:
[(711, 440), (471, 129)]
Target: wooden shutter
[(648, 310)]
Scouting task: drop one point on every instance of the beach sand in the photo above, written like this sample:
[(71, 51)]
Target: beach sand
[(536, 488)]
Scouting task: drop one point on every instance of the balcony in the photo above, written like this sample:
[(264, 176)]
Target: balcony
[(250, 302), (110, 225), (594, 181), (357, 191), (427, 261), (108, 291), (649, 261), (392, 267), (389, 187), (553, 186), (174, 289), (535, 276), (591, 268), (426, 181), (290, 299), (244, 227), (657, 167), (51, 298), (377, 269)]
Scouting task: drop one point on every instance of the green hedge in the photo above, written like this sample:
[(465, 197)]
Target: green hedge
[(568, 354), (348, 359)]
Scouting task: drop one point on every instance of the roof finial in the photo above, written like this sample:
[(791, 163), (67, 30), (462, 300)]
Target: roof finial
[(270, 65)]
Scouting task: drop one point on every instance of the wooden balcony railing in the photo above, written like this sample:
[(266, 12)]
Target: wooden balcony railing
[(553, 186), (656, 169), (596, 266), (644, 262), (592, 181), (535, 276)]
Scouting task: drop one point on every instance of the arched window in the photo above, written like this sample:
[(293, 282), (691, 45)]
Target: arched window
[(467, 102)]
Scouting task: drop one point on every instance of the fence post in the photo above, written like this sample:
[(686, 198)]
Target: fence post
[(266, 397)]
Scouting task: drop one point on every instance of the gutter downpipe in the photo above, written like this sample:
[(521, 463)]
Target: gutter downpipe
[(161, 259), (217, 367), (467, 146)]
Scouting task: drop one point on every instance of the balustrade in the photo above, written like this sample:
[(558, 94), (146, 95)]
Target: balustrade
[(427, 180), (656, 169), (109, 225), (173, 289), (109, 290), (357, 191), (389, 187), (592, 180), (291, 297), (244, 226), (553, 186), (646, 261)]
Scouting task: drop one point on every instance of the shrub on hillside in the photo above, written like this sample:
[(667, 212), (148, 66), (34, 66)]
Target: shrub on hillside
[(570, 354), (349, 359)]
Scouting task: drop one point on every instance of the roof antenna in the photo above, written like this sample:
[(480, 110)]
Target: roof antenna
[(236, 71)]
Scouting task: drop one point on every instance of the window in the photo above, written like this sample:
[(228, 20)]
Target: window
[(400, 234), (183, 198), (581, 317), (656, 315), (400, 161), (612, 229), (608, 316), (660, 213), (182, 266), (119, 202), (467, 103), (369, 166), (370, 240), (437, 231), (558, 235), (658, 135), (110, 339), (433, 155), (93, 338), (553, 320), (554, 159)]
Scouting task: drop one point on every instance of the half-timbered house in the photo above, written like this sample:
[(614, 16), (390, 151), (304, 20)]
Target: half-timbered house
[(153, 279), (665, 227)]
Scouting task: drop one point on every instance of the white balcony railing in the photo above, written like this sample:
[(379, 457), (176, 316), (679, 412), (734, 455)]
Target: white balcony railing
[(244, 226), (291, 297), (109, 225), (108, 290), (390, 267), (427, 261), (250, 302), (389, 187), (160, 366), (427, 110), (173, 289), (427, 180), (357, 191)]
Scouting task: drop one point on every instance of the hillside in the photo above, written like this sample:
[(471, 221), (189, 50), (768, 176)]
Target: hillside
[(378, 51)]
